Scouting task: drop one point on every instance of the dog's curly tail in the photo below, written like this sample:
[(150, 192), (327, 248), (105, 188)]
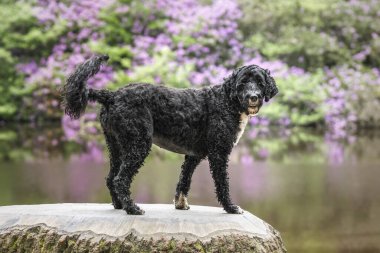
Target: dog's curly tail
[(75, 93)]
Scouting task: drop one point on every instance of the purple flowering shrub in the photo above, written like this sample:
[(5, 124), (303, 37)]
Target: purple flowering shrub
[(355, 25), (81, 23), (353, 98), (315, 52), (199, 43), (21, 38)]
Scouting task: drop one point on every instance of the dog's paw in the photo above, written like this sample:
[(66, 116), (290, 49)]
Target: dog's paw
[(117, 205), (234, 209), (180, 202), (134, 210), (182, 207)]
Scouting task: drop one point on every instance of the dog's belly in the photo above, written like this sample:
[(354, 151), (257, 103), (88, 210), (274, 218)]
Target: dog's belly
[(171, 146)]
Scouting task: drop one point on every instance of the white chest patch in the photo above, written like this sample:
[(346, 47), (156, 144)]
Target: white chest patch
[(243, 123)]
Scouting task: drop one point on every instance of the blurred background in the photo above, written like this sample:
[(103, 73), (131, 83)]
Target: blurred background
[(309, 164)]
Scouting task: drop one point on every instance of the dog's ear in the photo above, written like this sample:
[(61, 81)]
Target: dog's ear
[(270, 89), (231, 81)]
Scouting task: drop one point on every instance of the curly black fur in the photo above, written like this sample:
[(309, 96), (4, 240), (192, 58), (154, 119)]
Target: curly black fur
[(199, 123)]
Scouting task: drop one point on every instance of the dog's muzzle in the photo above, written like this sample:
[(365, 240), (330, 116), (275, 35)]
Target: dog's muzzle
[(254, 104)]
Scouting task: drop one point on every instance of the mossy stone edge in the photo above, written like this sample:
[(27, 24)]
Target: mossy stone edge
[(41, 238)]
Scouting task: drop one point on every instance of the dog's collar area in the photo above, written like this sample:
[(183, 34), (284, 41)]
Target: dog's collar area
[(249, 115)]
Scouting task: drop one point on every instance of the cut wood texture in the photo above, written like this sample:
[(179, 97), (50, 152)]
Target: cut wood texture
[(100, 228)]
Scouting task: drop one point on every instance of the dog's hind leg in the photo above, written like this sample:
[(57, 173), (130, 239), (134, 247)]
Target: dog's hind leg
[(135, 141), (183, 186), (115, 163), (114, 156)]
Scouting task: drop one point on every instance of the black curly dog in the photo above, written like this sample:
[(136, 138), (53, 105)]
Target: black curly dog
[(198, 123)]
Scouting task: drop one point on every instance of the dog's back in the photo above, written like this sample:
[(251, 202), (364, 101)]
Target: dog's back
[(178, 116)]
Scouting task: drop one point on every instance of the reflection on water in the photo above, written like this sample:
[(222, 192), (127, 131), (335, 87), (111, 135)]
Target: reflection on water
[(322, 194)]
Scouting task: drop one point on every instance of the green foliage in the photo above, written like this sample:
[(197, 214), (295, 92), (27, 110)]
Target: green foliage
[(115, 29), (354, 96), (299, 46), (342, 36), (116, 44), (162, 66), (119, 55), (300, 100), (21, 38), (312, 34), (282, 29), (356, 25)]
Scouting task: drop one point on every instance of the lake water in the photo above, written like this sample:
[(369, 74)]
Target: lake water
[(322, 194)]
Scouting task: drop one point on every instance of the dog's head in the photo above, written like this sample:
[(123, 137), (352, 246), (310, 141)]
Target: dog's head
[(249, 86)]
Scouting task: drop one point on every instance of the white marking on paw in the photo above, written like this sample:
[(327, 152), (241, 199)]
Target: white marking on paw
[(181, 203), (240, 210)]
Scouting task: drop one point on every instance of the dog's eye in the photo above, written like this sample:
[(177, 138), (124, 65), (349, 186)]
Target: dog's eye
[(245, 80), (240, 86), (259, 79)]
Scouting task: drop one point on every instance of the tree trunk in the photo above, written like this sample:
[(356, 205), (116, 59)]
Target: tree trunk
[(100, 228)]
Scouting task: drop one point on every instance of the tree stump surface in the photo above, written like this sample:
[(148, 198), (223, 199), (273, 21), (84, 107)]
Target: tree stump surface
[(100, 228)]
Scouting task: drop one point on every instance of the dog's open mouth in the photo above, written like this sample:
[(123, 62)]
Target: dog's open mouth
[(253, 107), (252, 110)]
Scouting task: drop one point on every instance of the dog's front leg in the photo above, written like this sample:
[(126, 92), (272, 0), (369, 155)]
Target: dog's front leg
[(218, 164)]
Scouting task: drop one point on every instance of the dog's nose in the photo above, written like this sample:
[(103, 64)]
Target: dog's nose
[(254, 98), (104, 57)]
